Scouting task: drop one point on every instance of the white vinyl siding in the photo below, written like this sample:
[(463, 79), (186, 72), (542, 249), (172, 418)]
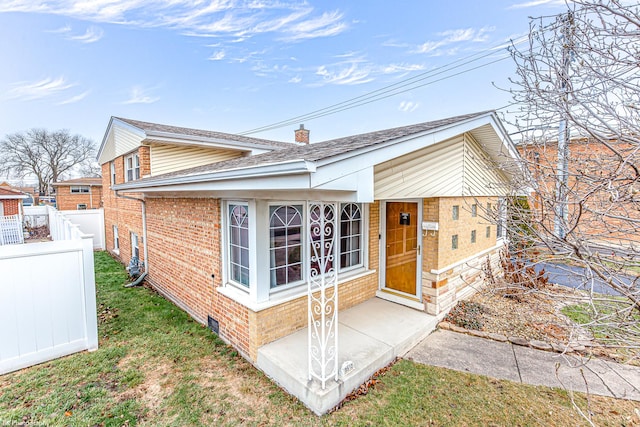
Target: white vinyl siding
[(453, 168), (430, 172), (121, 140), (170, 158), (481, 177)]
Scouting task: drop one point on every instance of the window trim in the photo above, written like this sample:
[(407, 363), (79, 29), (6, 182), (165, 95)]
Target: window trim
[(304, 250), (363, 228), (135, 248), (80, 189), (227, 243), (116, 239), (135, 167), (112, 169)]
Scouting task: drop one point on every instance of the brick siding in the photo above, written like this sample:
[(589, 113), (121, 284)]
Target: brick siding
[(66, 200), (11, 206)]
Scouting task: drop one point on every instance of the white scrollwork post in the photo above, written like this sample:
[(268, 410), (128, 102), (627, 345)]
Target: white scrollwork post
[(322, 226)]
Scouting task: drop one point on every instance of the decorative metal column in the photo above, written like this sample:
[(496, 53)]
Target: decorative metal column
[(322, 226)]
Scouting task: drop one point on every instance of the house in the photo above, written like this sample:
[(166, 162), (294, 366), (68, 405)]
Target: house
[(601, 196), (78, 194), (11, 202), (245, 233)]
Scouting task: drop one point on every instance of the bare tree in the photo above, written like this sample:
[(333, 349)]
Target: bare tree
[(577, 105), (44, 155)]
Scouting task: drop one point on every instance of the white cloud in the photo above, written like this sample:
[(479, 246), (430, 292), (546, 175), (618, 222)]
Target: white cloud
[(327, 25), (92, 35), (535, 3), (61, 30), (401, 68), (217, 56), (140, 95), (450, 37), (238, 19), (350, 75), (76, 98), (40, 89), (296, 79), (408, 106)]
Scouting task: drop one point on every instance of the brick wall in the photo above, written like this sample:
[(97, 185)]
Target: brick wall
[(11, 206), (590, 207), (440, 291), (66, 200), (184, 251), (125, 213)]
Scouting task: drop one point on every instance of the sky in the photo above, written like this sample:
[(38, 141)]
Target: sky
[(237, 65)]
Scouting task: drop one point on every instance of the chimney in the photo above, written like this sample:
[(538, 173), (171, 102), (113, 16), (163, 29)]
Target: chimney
[(302, 135)]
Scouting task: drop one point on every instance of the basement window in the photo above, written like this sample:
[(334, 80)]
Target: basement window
[(81, 206), (473, 236), (454, 241)]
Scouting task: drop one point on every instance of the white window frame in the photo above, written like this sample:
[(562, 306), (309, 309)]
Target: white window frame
[(135, 245), (228, 229), (80, 189), (116, 240), (363, 224), (304, 255), (112, 169), (81, 206), (134, 168)]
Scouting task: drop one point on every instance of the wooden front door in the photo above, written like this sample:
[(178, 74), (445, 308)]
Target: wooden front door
[(401, 246)]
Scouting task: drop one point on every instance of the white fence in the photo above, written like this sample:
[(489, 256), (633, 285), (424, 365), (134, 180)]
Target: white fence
[(90, 221), (11, 230), (47, 297)]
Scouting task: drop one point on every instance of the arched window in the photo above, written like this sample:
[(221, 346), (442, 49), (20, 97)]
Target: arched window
[(285, 235), (350, 235)]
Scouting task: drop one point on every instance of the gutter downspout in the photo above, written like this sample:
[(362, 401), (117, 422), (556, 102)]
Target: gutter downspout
[(144, 232)]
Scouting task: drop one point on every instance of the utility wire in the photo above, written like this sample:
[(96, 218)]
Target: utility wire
[(393, 89)]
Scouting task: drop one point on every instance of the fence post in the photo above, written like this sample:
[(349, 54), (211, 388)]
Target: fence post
[(90, 312)]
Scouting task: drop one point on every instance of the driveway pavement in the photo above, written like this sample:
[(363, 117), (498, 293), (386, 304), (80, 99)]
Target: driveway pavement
[(578, 277), (526, 365)]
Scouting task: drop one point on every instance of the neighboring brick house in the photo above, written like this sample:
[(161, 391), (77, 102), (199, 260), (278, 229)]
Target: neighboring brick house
[(595, 177), (11, 202), (226, 223), (78, 194)]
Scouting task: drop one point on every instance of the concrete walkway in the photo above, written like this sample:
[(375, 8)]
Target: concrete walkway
[(504, 360), (371, 335)]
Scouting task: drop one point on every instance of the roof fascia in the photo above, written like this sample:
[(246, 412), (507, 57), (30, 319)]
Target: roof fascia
[(188, 140), (11, 197), (435, 133)]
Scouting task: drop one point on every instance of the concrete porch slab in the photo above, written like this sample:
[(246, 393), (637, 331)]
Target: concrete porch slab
[(370, 335)]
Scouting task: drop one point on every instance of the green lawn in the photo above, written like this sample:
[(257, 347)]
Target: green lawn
[(155, 366)]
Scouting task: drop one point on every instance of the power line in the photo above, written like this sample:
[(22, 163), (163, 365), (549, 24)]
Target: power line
[(393, 89)]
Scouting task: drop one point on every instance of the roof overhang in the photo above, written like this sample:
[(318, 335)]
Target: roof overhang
[(350, 173), (12, 197)]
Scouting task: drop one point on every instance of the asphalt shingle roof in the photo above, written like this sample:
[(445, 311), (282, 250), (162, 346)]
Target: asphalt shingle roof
[(319, 150), (156, 127)]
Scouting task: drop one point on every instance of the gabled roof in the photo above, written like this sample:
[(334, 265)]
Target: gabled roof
[(147, 133), (327, 164), (320, 150), (81, 181), (156, 128)]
